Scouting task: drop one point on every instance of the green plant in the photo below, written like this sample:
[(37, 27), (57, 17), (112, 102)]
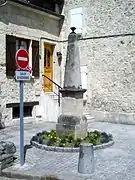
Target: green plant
[(51, 139)]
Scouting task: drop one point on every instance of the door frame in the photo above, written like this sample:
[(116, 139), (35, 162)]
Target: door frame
[(45, 43)]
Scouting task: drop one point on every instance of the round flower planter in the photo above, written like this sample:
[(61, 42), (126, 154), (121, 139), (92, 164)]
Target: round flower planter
[(40, 141), (67, 149)]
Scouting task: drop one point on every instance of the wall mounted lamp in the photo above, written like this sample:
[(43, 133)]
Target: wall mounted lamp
[(59, 55)]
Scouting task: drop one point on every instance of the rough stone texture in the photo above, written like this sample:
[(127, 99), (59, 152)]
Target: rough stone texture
[(72, 106), (7, 151), (25, 23), (72, 93), (72, 77), (110, 60), (111, 74), (2, 124), (112, 163), (7, 147), (81, 129), (102, 18), (69, 124), (114, 117), (5, 156), (86, 159), (71, 150), (68, 119), (64, 129)]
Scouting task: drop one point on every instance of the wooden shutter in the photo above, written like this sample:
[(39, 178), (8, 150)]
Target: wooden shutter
[(10, 55), (35, 58), (76, 18)]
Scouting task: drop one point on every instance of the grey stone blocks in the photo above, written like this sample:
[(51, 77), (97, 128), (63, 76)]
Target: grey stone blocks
[(7, 150), (69, 124), (66, 150)]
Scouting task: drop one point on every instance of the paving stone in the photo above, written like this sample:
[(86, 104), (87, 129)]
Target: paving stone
[(113, 163), (7, 147)]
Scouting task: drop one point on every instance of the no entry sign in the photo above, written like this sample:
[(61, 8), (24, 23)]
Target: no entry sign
[(22, 58)]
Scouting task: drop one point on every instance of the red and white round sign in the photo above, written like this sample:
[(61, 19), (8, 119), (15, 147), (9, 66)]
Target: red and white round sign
[(22, 58)]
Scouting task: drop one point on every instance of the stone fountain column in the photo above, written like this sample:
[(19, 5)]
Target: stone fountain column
[(72, 120)]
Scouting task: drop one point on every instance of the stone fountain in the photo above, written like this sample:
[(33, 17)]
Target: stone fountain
[(72, 120)]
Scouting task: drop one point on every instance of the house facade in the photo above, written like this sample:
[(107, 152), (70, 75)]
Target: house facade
[(106, 34), (35, 27), (107, 50)]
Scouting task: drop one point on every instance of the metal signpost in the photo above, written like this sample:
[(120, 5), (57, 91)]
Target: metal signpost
[(21, 75)]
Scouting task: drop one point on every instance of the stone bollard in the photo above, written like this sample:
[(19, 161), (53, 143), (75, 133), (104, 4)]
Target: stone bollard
[(2, 124), (86, 158)]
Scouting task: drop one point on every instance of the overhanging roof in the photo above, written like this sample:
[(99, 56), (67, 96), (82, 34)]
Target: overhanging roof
[(46, 11)]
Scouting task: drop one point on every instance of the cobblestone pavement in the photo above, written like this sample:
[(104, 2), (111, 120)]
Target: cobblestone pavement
[(11, 133), (114, 163)]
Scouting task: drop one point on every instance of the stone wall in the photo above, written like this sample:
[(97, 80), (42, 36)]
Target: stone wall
[(26, 23), (102, 17), (107, 46)]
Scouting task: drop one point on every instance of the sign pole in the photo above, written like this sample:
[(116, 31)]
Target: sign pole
[(21, 75), (21, 125)]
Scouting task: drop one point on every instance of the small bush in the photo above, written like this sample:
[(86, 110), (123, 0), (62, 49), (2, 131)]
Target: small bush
[(51, 139)]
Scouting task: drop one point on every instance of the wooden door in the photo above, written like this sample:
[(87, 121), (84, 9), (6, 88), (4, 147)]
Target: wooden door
[(48, 67)]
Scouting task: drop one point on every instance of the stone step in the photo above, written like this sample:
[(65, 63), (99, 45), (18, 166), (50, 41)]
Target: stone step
[(90, 118)]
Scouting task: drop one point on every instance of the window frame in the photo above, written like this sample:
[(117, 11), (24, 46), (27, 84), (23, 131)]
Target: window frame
[(11, 49)]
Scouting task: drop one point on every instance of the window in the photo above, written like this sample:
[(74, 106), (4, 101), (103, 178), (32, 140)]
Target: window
[(27, 111), (22, 44), (76, 19), (12, 45)]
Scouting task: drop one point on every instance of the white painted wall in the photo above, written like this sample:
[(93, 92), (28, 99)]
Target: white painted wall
[(84, 79), (76, 19), (48, 109)]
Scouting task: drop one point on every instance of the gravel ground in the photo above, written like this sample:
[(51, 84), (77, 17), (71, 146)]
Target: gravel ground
[(113, 163)]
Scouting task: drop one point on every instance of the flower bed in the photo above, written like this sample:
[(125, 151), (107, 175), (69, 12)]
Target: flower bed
[(50, 139)]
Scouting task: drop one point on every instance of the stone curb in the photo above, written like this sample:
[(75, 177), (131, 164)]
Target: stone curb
[(62, 149), (28, 177)]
